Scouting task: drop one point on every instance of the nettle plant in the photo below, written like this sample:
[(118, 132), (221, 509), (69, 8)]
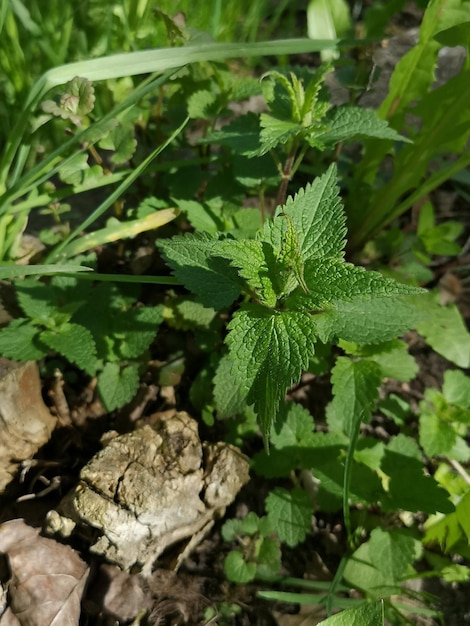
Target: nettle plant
[(297, 290)]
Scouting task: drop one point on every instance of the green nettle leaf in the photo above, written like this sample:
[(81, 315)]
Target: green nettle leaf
[(75, 343), (370, 614), (117, 385), (303, 291), (290, 514), (229, 395), (355, 390), (192, 259), (270, 349), (20, 341), (347, 122)]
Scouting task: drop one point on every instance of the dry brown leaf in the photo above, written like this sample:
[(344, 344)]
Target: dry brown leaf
[(47, 578), (117, 594)]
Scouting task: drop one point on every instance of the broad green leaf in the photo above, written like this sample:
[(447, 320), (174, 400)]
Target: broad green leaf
[(392, 356), (347, 122), (290, 513), (444, 329), (117, 386), (191, 259), (194, 313), (202, 104), (293, 428), (439, 438), (449, 530), (334, 282), (269, 350), (229, 395), (318, 218), (237, 569), (77, 101), (355, 390), (241, 135), (366, 319), (268, 557), (409, 488), (456, 388), (370, 614), (393, 553), (251, 260), (20, 341), (202, 216), (121, 140), (136, 329), (75, 343), (247, 526), (275, 132), (36, 299)]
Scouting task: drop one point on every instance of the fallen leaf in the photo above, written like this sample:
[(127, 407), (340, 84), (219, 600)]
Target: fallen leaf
[(47, 578)]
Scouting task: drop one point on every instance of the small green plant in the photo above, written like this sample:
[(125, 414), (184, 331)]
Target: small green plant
[(99, 328), (298, 291)]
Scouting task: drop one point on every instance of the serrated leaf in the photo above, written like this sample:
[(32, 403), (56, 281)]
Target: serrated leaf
[(318, 218), (367, 319), (269, 350), (293, 428), (135, 329), (36, 299), (290, 514), (20, 341), (355, 390), (347, 123), (202, 104), (237, 569), (371, 614), (191, 258), (117, 386), (229, 395), (77, 101), (75, 343), (275, 132), (393, 552)]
